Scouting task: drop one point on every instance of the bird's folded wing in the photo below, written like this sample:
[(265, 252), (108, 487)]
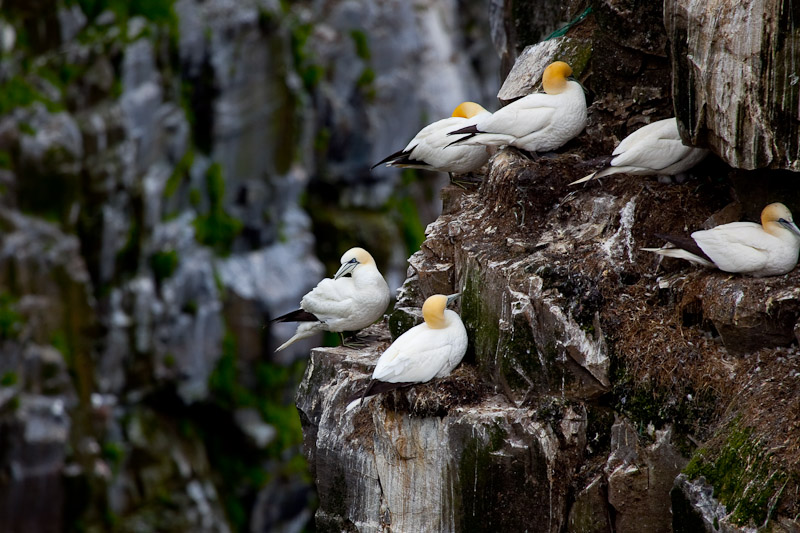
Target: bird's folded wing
[(417, 361), (330, 298), (654, 154), (736, 247), (518, 120)]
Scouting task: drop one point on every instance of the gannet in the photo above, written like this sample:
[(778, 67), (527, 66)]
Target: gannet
[(538, 122), (426, 351), (652, 149), (342, 303), (426, 150), (766, 249)]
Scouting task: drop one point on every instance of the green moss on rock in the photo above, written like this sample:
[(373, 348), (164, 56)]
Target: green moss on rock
[(10, 319), (741, 470), (216, 228), (164, 264)]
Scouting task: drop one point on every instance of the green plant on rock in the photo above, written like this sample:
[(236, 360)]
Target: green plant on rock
[(18, 92), (164, 264), (216, 228), (243, 469), (744, 476), (180, 172), (10, 319)]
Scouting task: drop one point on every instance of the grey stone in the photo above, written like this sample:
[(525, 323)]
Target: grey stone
[(732, 89), (640, 478), (426, 459)]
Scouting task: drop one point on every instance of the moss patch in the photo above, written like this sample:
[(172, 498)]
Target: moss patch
[(744, 476), (216, 228), (164, 264), (10, 319)]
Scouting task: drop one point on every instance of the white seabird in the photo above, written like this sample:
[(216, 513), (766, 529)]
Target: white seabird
[(766, 249), (653, 149), (342, 303), (539, 122), (426, 150), (426, 351)]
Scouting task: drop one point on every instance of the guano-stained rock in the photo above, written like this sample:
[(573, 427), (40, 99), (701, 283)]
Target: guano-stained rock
[(733, 82), (433, 457)]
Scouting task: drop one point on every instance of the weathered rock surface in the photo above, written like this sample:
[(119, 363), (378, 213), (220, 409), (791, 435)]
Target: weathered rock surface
[(563, 308), (433, 458), (153, 158), (733, 82)]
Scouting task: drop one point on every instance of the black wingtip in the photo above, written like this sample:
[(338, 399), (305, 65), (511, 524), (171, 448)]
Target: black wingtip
[(298, 315), (685, 243), (462, 139), (376, 387), (390, 159), (468, 129)]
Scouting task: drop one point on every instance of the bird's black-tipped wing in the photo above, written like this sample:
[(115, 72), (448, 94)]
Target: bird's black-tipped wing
[(298, 315), (402, 158), (685, 243), (462, 139), (376, 387), (473, 129), (391, 158)]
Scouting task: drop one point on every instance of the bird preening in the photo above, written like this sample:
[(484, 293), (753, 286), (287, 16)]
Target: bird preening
[(354, 298), (654, 149)]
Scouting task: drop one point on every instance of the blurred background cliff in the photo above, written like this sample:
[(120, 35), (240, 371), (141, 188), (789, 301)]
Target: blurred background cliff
[(172, 175)]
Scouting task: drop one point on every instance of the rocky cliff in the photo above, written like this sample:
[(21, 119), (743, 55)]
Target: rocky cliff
[(166, 170), (604, 389)]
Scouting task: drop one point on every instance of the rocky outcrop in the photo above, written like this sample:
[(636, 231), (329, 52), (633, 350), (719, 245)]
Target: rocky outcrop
[(735, 90), (153, 157), (434, 458), (655, 367)]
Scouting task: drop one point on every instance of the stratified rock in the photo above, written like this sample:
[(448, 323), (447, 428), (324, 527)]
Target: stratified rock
[(590, 513), (734, 86), (640, 478), (526, 75), (444, 456)]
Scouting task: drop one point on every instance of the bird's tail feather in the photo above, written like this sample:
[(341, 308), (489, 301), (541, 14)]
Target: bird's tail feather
[(374, 387), (680, 253), (583, 179), (304, 330)]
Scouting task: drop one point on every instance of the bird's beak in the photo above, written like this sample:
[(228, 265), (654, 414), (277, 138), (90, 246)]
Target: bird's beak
[(452, 298), (346, 268), (791, 226)]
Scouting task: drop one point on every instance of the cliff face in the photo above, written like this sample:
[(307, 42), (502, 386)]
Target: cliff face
[(734, 79), (604, 389), (153, 159)]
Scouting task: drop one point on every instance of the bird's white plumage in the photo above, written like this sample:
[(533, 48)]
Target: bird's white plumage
[(767, 249), (746, 247), (538, 122), (429, 149), (345, 303), (433, 149), (652, 149), (423, 353), (426, 351)]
